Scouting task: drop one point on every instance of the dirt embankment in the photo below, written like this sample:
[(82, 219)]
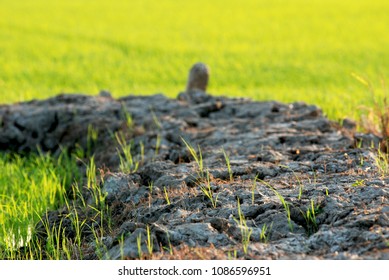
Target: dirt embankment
[(274, 181)]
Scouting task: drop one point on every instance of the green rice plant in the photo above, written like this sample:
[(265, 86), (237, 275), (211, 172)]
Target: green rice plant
[(197, 156), (127, 162), (155, 119), (282, 200), (382, 162), (29, 186), (227, 159), (170, 247), (244, 229), (149, 241), (253, 188), (54, 235), (358, 183), (91, 141), (139, 244), (310, 218), (361, 160), (100, 247), (264, 235), (128, 118), (314, 177), (57, 245), (166, 196), (142, 152), (232, 256), (206, 189), (298, 180), (78, 226), (375, 119), (121, 246), (150, 192), (157, 145), (92, 185)]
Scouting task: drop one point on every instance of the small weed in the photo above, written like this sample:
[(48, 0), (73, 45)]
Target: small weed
[(314, 178), (361, 160), (166, 196), (284, 203), (232, 256), (382, 162), (196, 156), (359, 144), (142, 152), (139, 244), (244, 229), (310, 218), (206, 189), (376, 118), (121, 246), (298, 180), (149, 241), (170, 248), (358, 183), (157, 145), (227, 159), (253, 187), (127, 117), (150, 192), (91, 140), (264, 235), (155, 119), (97, 195), (127, 162)]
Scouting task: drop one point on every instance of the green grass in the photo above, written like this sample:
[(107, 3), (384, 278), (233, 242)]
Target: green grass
[(28, 187), (34, 185), (301, 50)]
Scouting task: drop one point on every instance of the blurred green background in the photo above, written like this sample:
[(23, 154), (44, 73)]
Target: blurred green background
[(296, 50)]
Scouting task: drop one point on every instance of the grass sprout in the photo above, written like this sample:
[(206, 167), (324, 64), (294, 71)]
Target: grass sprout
[(298, 181), (197, 156), (376, 118), (244, 229), (149, 240), (206, 189), (139, 245), (264, 235), (157, 145), (310, 218), (127, 161), (166, 196), (128, 118), (284, 203), (382, 162), (227, 159)]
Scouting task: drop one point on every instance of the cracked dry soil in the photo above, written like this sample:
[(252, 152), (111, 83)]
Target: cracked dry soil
[(299, 186)]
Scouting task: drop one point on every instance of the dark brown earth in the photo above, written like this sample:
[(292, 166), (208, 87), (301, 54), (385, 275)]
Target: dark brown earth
[(300, 185)]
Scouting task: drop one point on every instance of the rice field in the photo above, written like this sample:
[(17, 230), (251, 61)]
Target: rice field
[(296, 50)]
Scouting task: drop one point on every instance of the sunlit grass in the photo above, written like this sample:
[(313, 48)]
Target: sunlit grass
[(28, 187), (283, 50)]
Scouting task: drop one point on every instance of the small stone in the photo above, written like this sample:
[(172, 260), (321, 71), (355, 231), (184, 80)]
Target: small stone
[(198, 78), (349, 124)]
